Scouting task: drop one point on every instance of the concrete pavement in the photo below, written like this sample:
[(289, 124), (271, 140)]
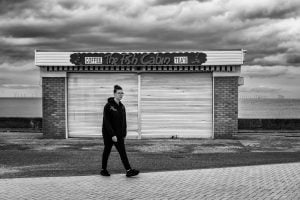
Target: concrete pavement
[(278, 181)]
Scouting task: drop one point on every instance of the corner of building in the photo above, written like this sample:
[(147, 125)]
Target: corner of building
[(225, 107), (54, 107)]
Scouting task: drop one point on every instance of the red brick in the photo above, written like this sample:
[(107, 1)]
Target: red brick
[(225, 106), (54, 107)]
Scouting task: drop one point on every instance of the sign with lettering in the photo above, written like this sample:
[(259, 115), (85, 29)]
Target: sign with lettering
[(92, 60), (185, 58), (180, 60)]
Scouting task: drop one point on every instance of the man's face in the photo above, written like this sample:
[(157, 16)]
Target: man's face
[(119, 94)]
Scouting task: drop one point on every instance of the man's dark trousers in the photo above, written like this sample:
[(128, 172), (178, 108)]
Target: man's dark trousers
[(120, 146)]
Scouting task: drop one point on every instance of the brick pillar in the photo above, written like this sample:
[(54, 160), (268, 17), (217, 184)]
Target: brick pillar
[(225, 106), (54, 107)]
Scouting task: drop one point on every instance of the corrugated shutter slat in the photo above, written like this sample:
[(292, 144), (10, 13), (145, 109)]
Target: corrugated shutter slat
[(87, 95), (176, 105)]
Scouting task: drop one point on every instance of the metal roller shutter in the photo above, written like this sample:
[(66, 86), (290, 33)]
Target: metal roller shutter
[(176, 105), (87, 95)]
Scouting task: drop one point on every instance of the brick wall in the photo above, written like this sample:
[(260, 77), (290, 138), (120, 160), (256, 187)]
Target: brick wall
[(54, 107), (225, 106)]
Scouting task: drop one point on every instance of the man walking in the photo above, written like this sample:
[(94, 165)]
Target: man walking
[(114, 130)]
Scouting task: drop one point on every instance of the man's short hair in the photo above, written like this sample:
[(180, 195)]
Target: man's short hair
[(117, 87)]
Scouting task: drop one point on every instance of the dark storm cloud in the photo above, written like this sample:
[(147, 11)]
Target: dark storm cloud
[(33, 8), (41, 25), (280, 12), (27, 31), (293, 59), (15, 6), (153, 25), (11, 54), (27, 26), (279, 58), (153, 33), (70, 5), (267, 29), (258, 53), (168, 2), (264, 72)]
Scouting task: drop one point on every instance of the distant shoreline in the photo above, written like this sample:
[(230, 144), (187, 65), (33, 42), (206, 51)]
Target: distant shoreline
[(21, 97), (269, 98)]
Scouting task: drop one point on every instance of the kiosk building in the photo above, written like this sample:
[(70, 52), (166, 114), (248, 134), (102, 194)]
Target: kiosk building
[(167, 94)]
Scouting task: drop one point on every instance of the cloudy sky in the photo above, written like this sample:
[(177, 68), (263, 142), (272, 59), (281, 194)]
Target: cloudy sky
[(268, 29)]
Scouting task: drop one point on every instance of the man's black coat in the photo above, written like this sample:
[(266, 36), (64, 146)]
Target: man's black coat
[(114, 119)]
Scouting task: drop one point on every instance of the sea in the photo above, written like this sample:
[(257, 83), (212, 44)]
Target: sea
[(20, 107), (264, 108), (248, 108)]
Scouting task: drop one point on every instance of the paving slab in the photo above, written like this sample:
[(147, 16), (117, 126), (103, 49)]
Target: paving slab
[(277, 181)]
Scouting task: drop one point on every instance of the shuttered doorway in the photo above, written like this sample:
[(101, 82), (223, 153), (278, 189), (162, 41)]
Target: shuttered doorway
[(176, 104), (87, 95)]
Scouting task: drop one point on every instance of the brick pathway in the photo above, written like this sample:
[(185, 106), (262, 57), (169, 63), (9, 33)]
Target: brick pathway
[(280, 181)]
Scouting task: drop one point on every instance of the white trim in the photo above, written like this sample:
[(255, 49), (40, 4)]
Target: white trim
[(214, 57), (35, 57), (139, 108), (213, 106), (218, 74)]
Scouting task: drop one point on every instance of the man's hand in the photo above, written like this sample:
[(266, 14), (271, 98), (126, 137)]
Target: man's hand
[(114, 139)]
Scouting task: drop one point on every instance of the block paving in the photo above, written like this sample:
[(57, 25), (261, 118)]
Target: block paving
[(277, 181)]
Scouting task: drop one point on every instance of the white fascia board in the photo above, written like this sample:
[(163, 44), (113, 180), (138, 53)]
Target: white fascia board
[(220, 57)]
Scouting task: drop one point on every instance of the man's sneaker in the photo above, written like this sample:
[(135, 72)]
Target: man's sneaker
[(132, 172), (104, 172)]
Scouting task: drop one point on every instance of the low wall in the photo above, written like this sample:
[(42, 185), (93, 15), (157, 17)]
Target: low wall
[(269, 124), (21, 123)]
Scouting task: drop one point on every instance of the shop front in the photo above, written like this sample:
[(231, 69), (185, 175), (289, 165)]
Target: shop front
[(167, 94)]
